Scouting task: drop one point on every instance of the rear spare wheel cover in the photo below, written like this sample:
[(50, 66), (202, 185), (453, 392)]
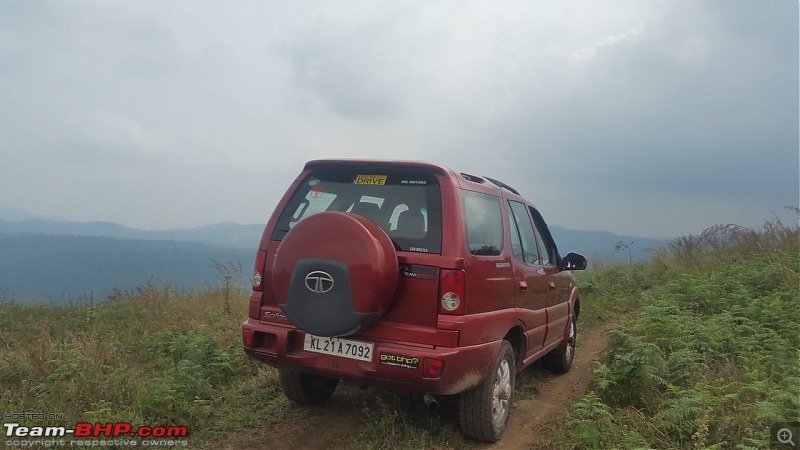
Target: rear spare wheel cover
[(335, 273)]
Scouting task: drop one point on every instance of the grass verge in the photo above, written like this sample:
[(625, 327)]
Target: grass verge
[(711, 359)]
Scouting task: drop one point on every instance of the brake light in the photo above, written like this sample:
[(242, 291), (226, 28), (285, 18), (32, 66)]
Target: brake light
[(452, 292), (258, 271)]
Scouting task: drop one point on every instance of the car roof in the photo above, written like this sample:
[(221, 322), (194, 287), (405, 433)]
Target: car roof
[(446, 175)]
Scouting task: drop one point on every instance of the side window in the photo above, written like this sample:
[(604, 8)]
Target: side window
[(530, 251), (484, 222), (516, 244), (545, 252), (546, 244)]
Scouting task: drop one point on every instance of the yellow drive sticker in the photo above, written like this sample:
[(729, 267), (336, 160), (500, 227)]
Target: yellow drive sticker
[(370, 179)]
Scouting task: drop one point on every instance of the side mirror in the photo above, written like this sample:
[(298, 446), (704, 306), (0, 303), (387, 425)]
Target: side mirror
[(573, 261)]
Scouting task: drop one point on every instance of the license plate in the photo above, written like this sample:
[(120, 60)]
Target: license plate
[(345, 348)]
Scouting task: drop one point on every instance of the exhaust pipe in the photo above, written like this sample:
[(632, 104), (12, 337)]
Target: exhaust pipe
[(430, 402)]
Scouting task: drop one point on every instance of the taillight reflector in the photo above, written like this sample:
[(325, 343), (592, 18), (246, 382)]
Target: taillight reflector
[(258, 271), (432, 368), (247, 337)]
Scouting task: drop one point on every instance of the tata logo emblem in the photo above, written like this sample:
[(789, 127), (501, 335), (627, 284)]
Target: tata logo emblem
[(319, 282)]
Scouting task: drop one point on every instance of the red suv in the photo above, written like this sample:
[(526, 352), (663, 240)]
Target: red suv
[(412, 276)]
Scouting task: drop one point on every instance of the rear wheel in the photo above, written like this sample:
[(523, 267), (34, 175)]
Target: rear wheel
[(484, 411), (560, 359), (304, 388)]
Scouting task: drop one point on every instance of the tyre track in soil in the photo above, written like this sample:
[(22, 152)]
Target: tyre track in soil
[(534, 421), (532, 425)]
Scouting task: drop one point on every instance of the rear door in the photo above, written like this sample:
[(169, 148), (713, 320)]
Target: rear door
[(406, 203), (489, 271)]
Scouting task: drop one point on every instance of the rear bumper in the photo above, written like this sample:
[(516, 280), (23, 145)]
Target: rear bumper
[(463, 367)]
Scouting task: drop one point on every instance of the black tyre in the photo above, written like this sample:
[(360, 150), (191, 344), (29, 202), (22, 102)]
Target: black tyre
[(306, 389), (560, 359), (484, 411)]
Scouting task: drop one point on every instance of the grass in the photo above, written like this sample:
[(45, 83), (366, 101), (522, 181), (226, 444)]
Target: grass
[(153, 358), (711, 359), (707, 356), (401, 422)]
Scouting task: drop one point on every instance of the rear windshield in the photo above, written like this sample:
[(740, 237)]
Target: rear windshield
[(407, 205)]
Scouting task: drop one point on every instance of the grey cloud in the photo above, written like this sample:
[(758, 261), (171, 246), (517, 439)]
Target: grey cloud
[(633, 117), (632, 104), (346, 62)]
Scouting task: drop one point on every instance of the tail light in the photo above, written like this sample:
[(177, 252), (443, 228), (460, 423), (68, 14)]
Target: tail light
[(247, 337), (452, 292), (258, 271)]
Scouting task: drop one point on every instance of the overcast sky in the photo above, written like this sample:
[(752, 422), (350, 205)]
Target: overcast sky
[(650, 118)]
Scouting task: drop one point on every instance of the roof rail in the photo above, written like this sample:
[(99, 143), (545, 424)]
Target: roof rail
[(502, 185)]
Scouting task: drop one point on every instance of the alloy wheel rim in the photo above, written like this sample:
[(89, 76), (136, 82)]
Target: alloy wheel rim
[(502, 393), (570, 342)]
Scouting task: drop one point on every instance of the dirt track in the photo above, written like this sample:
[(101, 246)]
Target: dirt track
[(532, 421)]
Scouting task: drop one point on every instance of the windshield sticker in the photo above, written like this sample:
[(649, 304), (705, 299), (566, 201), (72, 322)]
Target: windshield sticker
[(417, 182), (370, 179), (316, 192), (313, 182)]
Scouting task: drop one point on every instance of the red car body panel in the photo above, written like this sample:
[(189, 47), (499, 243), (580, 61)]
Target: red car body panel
[(503, 296)]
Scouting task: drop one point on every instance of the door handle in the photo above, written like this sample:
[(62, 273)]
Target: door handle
[(551, 286), (523, 286)]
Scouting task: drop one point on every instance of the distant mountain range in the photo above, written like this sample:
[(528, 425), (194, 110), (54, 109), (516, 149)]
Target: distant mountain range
[(224, 234), (53, 269), (17, 215), (599, 246), (44, 258)]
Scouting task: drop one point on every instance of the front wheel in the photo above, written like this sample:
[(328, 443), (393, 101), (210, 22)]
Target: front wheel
[(560, 359), (484, 411), (304, 388)]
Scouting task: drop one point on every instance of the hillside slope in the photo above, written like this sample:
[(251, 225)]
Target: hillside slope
[(57, 260), (593, 244), (710, 360), (54, 268), (223, 234)]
